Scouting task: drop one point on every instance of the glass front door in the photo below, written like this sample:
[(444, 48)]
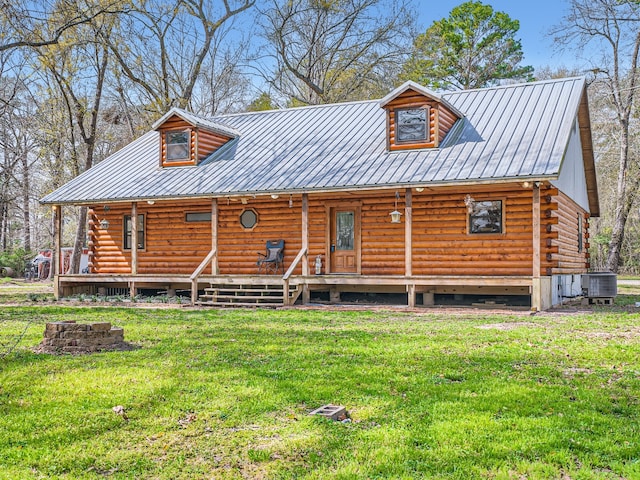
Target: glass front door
[(344, 241)]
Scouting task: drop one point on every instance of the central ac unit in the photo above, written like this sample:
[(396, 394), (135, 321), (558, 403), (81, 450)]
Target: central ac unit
[(600, 284)]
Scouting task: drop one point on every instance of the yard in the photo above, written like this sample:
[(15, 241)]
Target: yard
[(227, 393)]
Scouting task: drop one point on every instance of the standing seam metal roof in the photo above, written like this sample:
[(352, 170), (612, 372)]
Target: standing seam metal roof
[(508, 132)]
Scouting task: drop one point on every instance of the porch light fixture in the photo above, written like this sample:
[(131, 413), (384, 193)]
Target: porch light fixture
[(151, 202), (419, 189), (104, 224), (395, 215), (290, 201), (274, 196)]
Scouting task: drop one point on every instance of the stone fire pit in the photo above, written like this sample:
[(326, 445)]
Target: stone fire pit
[(77, 338)]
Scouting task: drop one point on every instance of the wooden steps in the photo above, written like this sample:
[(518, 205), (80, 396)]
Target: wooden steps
[(246, 295)]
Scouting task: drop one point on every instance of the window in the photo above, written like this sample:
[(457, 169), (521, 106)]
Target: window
[(580, 233), (177, 146), (127, 232), (485, 216), (197, 217), (411, 125), (345, 230), (249, 218)]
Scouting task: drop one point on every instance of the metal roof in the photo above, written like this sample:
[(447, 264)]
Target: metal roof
[(514, 132)]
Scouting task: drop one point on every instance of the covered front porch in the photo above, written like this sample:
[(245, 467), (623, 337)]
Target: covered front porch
[(276, 290), (389, 246)]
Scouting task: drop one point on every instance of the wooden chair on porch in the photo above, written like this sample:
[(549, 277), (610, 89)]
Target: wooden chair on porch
[(273, 259)]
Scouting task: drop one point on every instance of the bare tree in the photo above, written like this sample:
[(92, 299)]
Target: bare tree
[(612, 29), (39, 23), (223, 86), (79, 69), (171, 42), (16, 151), (328, 51)]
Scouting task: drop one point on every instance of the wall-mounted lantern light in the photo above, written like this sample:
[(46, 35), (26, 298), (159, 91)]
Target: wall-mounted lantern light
[(395, 215), (104, 224)]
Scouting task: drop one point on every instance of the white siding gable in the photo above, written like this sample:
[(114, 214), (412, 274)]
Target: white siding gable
[(572, 180)]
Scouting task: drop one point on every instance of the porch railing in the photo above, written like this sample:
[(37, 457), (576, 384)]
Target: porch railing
[(197, 272), (285, 278)]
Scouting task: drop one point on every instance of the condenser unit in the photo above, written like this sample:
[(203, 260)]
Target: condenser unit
[(599, 285)]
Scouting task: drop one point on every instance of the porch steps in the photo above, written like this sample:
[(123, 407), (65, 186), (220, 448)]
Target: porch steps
[(250, 295)]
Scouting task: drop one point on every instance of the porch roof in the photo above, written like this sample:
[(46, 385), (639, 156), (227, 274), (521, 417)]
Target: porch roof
[(517, 132)]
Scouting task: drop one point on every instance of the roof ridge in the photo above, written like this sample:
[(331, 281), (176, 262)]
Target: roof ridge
[(514, 85), (302, 107)]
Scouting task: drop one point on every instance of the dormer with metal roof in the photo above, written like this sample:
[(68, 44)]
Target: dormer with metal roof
[(186, 139), (417, 117)]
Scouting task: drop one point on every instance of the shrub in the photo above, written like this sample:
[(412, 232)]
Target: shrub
[(16, 259)]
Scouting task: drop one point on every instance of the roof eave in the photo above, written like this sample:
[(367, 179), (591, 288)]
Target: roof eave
[(584, 122), (321, 190)]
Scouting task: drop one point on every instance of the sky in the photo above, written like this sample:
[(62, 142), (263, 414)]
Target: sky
[(536, 17)]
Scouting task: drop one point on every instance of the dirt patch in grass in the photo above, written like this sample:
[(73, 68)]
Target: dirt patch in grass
[(625, 334), (507, 325)]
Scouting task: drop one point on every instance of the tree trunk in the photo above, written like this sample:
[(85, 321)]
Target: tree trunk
[(622, 204), (81, 233), (4, 225), (26, 212)]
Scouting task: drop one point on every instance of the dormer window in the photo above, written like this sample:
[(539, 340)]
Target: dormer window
[(417, 118), (187, 139), (412, 125), (177, 146)]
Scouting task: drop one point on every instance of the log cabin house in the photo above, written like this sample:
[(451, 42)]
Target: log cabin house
[(482, 192)]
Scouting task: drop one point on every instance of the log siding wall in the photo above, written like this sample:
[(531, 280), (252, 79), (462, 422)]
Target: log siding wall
[(566, 257), (440, 238)]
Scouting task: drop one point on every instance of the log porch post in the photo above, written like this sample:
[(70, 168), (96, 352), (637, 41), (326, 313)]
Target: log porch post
[(536, 290), (408, 246), (306, 296), (214, 235), (57, 243), (134, 247)]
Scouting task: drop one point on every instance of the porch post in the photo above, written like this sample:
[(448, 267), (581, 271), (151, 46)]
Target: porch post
[(408, 246), (57, 243), (306, 296), (134, 248), (134, 238), (214, 235), (536, 290)]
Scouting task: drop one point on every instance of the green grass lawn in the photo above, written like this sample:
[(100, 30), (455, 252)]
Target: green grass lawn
[(226, 394), (18, 290)]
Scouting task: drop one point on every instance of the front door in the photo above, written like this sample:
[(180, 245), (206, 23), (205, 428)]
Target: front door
[(345, 240)]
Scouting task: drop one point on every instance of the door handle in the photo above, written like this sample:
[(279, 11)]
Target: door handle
[(333, 247)]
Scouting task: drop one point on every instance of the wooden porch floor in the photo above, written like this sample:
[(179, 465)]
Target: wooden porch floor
[(311, 280), (334, 284)]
